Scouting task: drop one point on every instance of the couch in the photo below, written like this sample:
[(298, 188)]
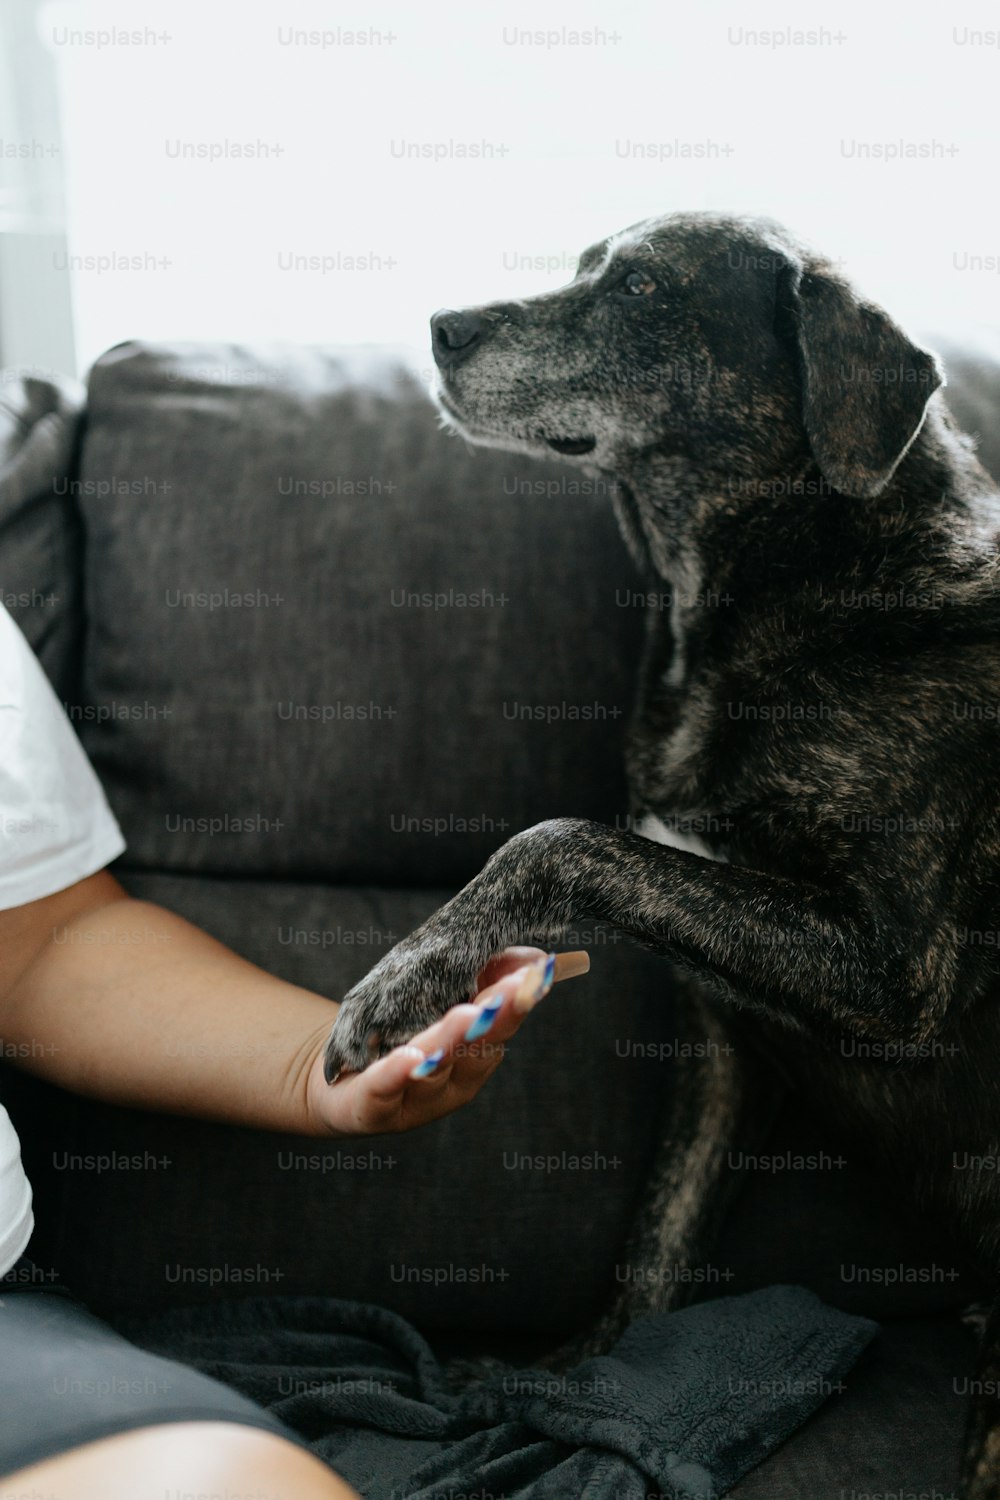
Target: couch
[(325, 658)]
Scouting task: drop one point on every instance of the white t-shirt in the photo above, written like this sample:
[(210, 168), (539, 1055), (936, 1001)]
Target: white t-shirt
[(55, 829)]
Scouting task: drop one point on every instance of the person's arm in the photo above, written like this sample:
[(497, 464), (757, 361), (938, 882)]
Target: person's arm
[(125, 1001)]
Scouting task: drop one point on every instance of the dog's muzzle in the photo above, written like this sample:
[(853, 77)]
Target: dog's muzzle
[(454, 336)]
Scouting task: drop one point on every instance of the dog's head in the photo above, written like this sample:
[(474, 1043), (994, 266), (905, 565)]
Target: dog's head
[(715, 339)]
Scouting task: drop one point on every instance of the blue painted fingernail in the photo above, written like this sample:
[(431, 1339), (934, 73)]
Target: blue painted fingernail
[(487, 1015), (535, 985), (427, 1067)]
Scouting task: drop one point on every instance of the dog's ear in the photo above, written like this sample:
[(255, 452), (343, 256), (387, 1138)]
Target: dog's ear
[(865, 386)]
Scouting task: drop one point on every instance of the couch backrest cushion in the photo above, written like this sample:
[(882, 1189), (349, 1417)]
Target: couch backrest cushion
[(972, 368), (325, 638), (39, 524)]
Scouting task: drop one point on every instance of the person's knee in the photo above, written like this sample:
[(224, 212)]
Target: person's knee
[(185, 1456)]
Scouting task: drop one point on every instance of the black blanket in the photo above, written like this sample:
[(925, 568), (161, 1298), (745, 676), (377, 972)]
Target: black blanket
[(684, 1405)]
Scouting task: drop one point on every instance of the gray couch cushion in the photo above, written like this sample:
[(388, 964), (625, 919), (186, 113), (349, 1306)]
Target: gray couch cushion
[(278, 703), (275, 701), (972, 368), (39, 521), (894, 1433)]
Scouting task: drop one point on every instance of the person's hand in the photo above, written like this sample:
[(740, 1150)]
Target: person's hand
[(446, 1065)]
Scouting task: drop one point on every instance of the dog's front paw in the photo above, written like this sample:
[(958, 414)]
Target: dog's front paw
[(405, 992)]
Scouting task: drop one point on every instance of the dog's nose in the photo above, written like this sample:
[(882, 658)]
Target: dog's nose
[(454, 335)]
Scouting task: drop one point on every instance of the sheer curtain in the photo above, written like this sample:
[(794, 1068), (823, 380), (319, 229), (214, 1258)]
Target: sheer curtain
[(36, 332)]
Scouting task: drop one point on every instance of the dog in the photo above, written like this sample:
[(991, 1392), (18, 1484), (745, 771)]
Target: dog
[(773, 440)]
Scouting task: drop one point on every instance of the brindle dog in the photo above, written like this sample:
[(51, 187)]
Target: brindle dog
[(775, 442)]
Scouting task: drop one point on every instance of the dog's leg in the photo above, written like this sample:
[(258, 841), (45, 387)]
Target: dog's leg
[(720, 1098), (828, 959), (981, 1467)]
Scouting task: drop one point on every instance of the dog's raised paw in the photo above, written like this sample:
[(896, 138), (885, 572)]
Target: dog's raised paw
[(349, 1047), (390, 1005)]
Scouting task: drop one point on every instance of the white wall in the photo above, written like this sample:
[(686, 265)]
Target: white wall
[(773, 129)]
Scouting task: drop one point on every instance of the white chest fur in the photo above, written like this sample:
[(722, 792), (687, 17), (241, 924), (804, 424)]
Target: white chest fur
[(654, 828)]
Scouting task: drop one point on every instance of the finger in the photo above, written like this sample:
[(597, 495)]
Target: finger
[(460, 1029), (386, 1079), (568, 965), (462, 1032), (505, 963), (423, 1065), (496, 1014), (500, 1009), (471, 1033), (448, 1062)]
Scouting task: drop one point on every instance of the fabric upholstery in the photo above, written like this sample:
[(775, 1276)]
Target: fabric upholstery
[(328, 729), (40, 580), (972, 393)]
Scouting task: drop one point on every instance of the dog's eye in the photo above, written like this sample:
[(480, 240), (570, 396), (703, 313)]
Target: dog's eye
[(636, 284)]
